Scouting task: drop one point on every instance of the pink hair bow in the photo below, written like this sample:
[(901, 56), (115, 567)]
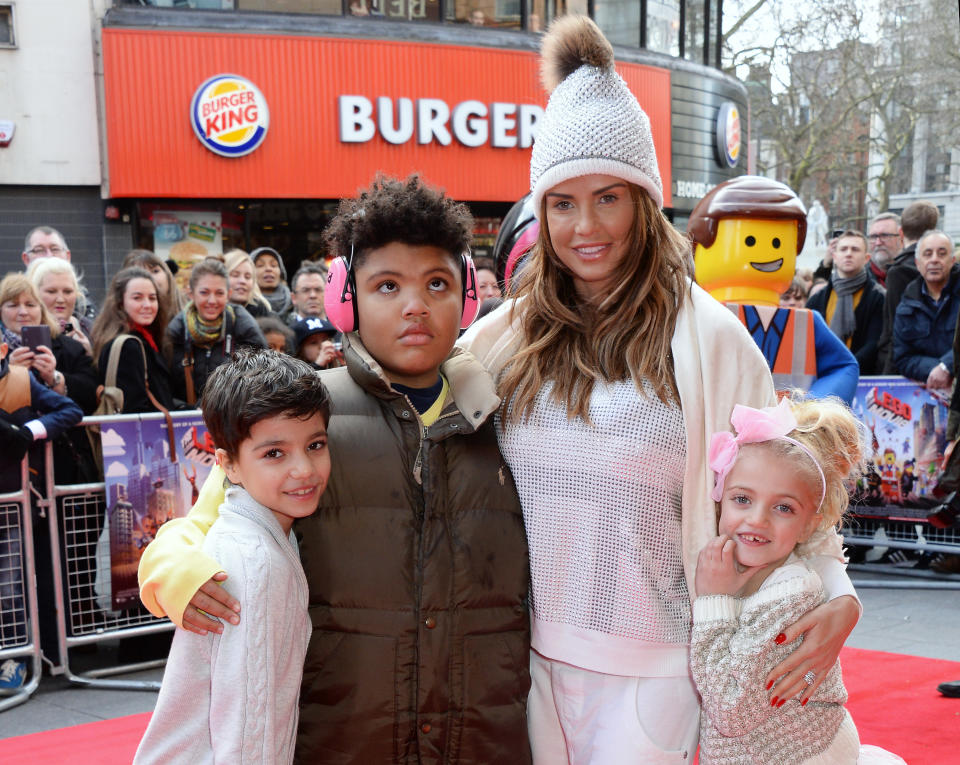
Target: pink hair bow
[(752, 426)]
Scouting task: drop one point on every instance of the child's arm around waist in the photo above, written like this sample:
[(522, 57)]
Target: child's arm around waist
[(174, 567)]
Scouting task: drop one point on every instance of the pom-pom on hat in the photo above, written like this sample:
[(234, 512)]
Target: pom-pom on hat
[(593, 123)]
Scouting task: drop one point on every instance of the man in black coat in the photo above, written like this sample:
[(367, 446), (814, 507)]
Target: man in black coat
[(852, 302)]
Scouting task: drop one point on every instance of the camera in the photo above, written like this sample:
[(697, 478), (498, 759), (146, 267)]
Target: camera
[(837, 232)]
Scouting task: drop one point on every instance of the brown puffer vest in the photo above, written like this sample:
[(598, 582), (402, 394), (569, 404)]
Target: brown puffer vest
[(417, 565)]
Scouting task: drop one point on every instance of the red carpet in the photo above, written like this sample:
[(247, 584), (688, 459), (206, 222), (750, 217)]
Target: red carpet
[(108, 742), (893, 699), (895, 704)]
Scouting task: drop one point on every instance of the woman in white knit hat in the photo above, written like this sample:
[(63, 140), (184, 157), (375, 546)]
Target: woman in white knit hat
[(615, 370)]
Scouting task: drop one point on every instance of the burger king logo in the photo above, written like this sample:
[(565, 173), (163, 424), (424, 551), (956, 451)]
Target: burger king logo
[(728, 135), (229, 115)]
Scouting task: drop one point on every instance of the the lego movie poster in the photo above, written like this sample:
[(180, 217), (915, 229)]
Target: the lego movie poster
[(906, 435), (146, 486)]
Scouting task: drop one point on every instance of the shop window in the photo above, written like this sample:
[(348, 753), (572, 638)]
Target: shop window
[(693, 23), (663, 26), (620, 21), (8, 38), (501, 14), (317, 7), (205, 5)]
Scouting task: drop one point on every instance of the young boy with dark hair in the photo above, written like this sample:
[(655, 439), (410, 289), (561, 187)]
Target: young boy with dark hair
[(232, 697), (416, 558)]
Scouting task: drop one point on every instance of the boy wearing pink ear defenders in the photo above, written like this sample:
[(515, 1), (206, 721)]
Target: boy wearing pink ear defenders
[(416, 559)]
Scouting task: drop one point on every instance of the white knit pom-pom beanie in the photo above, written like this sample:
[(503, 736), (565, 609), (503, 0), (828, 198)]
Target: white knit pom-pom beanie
[(592, 123)]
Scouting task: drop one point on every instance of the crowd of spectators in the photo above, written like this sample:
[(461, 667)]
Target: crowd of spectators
[(892, 295)]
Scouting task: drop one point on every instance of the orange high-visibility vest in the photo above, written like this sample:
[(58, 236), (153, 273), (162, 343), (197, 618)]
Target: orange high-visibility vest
[(792, 360)]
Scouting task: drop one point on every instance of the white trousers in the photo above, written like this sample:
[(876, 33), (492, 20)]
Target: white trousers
[(579, 717)]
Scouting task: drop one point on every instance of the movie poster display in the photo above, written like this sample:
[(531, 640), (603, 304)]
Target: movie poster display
[(146, 486), (906, 430)]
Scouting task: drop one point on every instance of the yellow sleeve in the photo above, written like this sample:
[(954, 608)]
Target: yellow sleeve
[(173, 566)]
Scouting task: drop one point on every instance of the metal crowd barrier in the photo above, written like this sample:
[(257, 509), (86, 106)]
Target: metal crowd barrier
[(77, 514), (19, 624)]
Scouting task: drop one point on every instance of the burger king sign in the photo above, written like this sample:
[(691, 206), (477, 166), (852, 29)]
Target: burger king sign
[(229, 115)]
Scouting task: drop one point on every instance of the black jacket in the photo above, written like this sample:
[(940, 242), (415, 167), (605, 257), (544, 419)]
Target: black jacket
[(241, 330), (130, 375), (869, 317), (900, 273), (73, 460)]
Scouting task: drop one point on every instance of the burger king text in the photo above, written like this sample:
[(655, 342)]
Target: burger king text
[(473, 123)]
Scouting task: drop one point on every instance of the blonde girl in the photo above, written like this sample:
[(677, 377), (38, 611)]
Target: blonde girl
[(779, 480)]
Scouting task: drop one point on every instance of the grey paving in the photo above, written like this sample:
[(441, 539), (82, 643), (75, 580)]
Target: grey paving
[(914, 621)]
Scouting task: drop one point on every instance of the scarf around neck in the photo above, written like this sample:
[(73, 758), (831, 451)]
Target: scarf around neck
[(844, 322), (279, 300), (204, 334), (145, 334), (11, 338)]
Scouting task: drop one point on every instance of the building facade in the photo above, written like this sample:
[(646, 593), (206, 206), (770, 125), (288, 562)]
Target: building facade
[(240, 123)]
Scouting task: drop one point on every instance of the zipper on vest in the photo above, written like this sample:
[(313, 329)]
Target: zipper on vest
[(418, 462)]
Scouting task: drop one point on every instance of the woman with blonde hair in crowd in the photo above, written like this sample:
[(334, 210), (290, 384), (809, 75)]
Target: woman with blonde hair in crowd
[(64, 365), (159, 270), (614, 371), (244, 289), (58, 287), (133, 307)]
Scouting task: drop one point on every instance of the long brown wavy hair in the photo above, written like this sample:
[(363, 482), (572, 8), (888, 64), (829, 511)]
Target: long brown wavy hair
[(113, 320), (575, 343)]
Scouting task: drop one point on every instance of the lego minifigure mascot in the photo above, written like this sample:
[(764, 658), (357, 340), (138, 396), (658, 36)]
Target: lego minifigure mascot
[(747, 232)]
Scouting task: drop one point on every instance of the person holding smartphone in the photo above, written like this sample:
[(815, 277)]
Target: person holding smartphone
[(59, 289), (55, 359)]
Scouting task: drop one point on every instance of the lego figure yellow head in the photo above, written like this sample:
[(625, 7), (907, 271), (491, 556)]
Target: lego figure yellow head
[(747, 232)]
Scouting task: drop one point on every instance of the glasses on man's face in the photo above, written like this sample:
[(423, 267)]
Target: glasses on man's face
[(53, 249), (880, 237)]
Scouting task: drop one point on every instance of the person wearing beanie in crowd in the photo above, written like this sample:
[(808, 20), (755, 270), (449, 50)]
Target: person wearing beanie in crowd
[(314, 339), (272, 280), (615, 370)]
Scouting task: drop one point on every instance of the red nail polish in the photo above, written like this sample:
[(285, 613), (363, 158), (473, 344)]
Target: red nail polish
[(779, 638), (773, 701), (770, 685), (782, 702), (804, 702)]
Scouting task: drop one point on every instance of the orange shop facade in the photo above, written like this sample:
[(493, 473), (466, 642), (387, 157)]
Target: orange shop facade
[(242, 139)]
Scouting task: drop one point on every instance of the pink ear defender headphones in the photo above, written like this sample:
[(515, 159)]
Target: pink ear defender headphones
[(340, 301)]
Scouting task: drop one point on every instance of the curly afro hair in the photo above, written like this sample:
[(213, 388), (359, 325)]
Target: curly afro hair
[(407, 211)]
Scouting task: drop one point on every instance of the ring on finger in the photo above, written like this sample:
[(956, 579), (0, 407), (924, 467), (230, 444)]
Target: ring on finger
[(809, 677)]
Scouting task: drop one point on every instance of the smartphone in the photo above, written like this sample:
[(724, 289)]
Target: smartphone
[(35, 335), (836, 232)]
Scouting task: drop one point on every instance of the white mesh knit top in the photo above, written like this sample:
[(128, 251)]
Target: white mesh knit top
[(601, 503)]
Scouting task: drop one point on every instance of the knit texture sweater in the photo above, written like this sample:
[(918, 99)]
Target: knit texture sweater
[(732, 650), (233, 697), (716, 365), (601, 504)]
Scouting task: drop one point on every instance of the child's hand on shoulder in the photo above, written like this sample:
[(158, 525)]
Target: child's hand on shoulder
[(717, 570)]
